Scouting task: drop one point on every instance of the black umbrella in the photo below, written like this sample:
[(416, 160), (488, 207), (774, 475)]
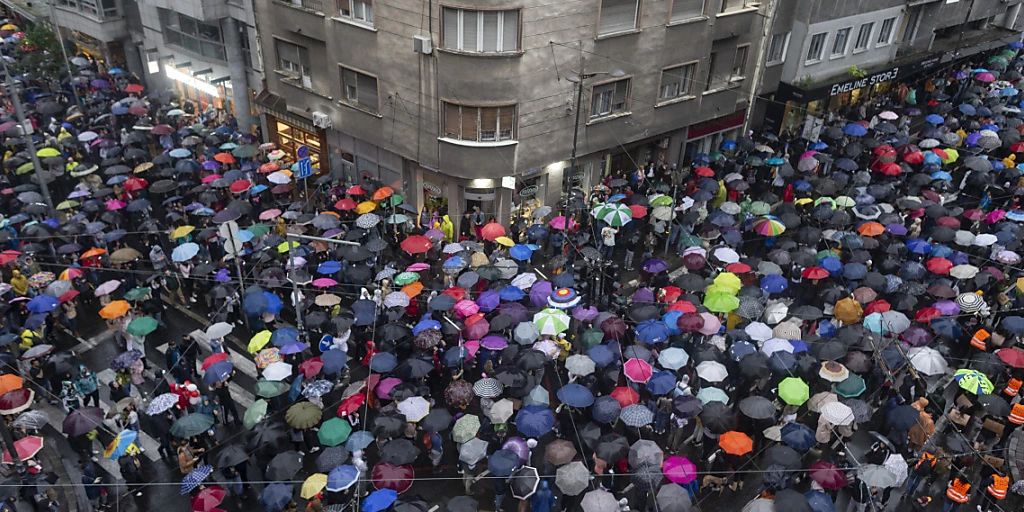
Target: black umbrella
[(611, 447), (757, 407), (331, 458), (437, 420), (790, 500), (231, 455), (782, 455), (718, 417), (463, 504), (399, 451), (284, 466), (389, 425)]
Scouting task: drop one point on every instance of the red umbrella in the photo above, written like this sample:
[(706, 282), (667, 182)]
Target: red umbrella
[(828, 475), (690, 322), (69, 295), (240, 186), (345, 204), (682, 305), (884, 149), (814, 273), (890, 169), (670, 294), (638, 370), (638, 211), (213, 359), (351, 404), (389, 476), (1017, 147), (355, 190), (133, 88), (939, 266), (738, 268), (27, 447), (949, 222), (269, 167), (1012, 357), (974, 214), (694, 261), (926, 314), (625, 396), (877, 306), (455, 292), (416, 244), (914, 158), (704, 171), (311, 367), (13, 402), (492, 230), (208, 499), (134, 184)]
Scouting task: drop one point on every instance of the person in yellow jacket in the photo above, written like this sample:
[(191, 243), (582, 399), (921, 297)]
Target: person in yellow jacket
[(447, 228), (19, 283), (28, 339)]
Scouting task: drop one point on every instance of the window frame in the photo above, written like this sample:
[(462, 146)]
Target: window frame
[(344, 98), (808, 59), (499, 37), (674, 21), (912, 22), (785, 48), (744, 5), (351, 16), (733, 76), (867, 38), (636, 20), (174, 27), (611, 114), (879, 43), (833, 54), (446, 105), (685, 93), (299, 79)]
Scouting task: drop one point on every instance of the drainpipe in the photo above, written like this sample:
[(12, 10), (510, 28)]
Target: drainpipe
[(762, 51), (238, 73)]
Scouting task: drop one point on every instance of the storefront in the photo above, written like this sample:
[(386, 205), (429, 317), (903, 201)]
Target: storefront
[(707, 137), (290, 133), (195, 88)]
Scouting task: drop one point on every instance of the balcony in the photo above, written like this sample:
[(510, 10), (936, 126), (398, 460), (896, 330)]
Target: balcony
[(103, 25), (204, 10), (301, 16), (736, 22)]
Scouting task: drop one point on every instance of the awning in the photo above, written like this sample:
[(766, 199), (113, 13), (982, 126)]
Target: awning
[(275, 105)]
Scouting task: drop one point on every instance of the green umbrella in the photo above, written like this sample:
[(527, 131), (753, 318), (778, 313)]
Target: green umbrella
[(760, 208), (551, 321), (142, 326), (270, 388), (851, 387), (721, 302), (137, 293), (661, 201), (793, 391), (397, 218), (466, 428), (255, 413), (191, 425), (394, 200), (592, 337), (406, 278), (258, 229), (334, 432), (246, 151), (303, 415)]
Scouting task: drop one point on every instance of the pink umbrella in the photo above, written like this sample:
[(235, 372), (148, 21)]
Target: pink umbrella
[(995, 216), (115, 204), (477, 330), (711, 324), (324, 282), (985, 77), (638, 370), (417, 267), (559, 223), (808, 154), (385, 386), (272, 213), (210, 178), (466, 307), (679, 469), (472, 347)]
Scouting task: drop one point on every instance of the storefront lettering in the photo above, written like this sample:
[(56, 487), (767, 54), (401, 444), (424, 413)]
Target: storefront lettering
[(432, 190), (528, 192), (867, 81)]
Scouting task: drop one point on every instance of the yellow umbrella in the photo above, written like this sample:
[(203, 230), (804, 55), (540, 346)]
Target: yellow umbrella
[(47, 152), (67, 204), (366, 207), (9, 26), (24, 168), (478, 259), (143, 167), (504, 240), (848, 310), (258, 341), (803, 200), (728, 281), (313, 485), (182, 231), (284, 247)]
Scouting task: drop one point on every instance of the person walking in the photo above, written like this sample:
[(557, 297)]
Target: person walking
[(995, 492), (958, 492)]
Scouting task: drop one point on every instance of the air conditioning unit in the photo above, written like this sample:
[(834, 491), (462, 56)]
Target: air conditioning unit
[(422, 44), (321, 120)]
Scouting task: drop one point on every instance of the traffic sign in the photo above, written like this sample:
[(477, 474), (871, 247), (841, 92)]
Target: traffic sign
[(305, 168), (302, 152)]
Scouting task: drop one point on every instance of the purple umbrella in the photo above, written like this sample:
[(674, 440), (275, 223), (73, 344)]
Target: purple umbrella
[(99, 83), (211, 165), (947, 307), (494, 342), (916, 336), (434, 234), (585, 314), (539, 293), (643, 295), (896, 229), (518, 446), (514, 310), (654, 265), (488, 300)]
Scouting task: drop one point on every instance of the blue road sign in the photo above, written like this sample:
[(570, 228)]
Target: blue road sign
[(302, 152), (305, 168)]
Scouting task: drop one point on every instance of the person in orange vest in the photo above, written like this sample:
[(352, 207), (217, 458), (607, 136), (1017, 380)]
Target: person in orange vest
[(1012, 388), (1016, 416), (978, 340), (995, 491), (958, 492), (924, 469)]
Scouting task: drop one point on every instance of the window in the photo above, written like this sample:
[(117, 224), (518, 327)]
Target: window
[(735, 5), (289, 138), (686, 9), (885, 32), (609, 99), (777, 48), (910, 29), (479, 124), (677, 81), (863, 36), (294, 60), (817, 47), (356, 10), (192, 35), (100, 9), (481, 31), (617, 16), (840, 42), (739, 62), (713, 81), (359, 90), (313, 5)]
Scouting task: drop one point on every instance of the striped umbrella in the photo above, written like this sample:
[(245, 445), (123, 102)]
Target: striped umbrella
[(551, 321), (769, 225), (614, 214), (970, 302), (973, 381)]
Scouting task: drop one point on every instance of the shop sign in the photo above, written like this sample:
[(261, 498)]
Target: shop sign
[(432, 190), (867, 81), (528, 192)]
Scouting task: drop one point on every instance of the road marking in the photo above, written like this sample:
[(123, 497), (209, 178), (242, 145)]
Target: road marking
[(149, 444), (243, 398), (85, 345)]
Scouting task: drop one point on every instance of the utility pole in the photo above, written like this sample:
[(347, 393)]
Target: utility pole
[(291, 237), (64, 51), (26, 130), (762, 51)]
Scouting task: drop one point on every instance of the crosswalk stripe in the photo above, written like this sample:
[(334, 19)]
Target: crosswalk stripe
[(241, 362), (243, 398), (147, 443)]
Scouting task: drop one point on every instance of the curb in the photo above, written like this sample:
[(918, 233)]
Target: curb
[(72, 496)]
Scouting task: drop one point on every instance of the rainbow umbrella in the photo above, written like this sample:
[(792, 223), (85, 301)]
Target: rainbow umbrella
[(119, 446), (769, 225)]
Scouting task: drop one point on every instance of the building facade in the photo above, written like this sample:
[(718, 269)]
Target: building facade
[(826, 55), (463, 103)]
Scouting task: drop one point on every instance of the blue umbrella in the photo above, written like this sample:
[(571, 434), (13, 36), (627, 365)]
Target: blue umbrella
[(488, 301), (257, 189), (855, 130), (671, 321), (42, 304), (918, 246), (334, 361), (379, 500), (728, 145), (194, 478), (832, 264), (284, 335), (359, 440), (967, 109), (934, 119), (740, 349), (819, 501), (329, 267), (218, 372), (798, 437), (606, 409), (455, 263), (454, 357), (520, 252), (1013, 324), (564, 280), (185, 252), (35, 321), (602, 355), (652, 332), (383, 362), (123, 441), (576, 395), (855, 270), (425, 324), (774, 283), (364, 312), (503, 462), (781, 361), (661, 383), (941, 175), (180, 153), (254, 304), (536, 232), (534, 421), (511, 293), (775, 161), (275, 497), (342, 477)]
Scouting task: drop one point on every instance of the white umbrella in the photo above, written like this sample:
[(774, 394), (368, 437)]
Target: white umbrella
[(219, 330), (788, 330), (776, 345), (775, 312), (758, 331), (963, 237), (837, 413), (889, 115), (524, 281), (415, 408), (278, 178), (874, 475), (277, 371), (726, 255), (673, 358), (927, 360), (964, 271), (985, 239), (712, 371), (396, 299), (817, 401), (897, 465), (580, 364), (107, 288), (501, 411)]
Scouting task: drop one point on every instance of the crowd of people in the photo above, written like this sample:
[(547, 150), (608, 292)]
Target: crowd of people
[(808, 322)]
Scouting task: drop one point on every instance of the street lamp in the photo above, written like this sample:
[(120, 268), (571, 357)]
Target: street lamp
[(579, 79), (25, 129)]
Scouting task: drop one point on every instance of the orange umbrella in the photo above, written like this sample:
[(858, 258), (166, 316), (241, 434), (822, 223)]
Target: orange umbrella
[(382, 193), (224, 158), (871, 229), (492, 230), (10, 382), (736, 443), (413, 289), (848, 310), (92, 253), (115, 309)]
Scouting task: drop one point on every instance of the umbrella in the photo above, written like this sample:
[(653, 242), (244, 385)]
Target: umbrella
[(82, 420), (284, 466), (191, 425), (673, 498), (524, 482), (736, 443), (341, 478), (195, 478), (875, 475), (573, 478), (599, 500), (757, 407)]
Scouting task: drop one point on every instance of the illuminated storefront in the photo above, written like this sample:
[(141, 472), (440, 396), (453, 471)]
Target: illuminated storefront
[(289, 134)]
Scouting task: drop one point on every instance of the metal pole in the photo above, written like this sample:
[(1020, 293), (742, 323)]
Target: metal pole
[(576, 127), (291, 263), (26, 129), (762, 51), (64, 51), (238, 268)]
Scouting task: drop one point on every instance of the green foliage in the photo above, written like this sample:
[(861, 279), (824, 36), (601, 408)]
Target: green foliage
[(41, 54), (856, 72)]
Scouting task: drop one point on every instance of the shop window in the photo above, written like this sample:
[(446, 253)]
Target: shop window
[(290, 137), (840, 43), (360, 11), (677, 81), (863, 37), (777, 48), (885, 32), (479, 124), (816, 48), (480, 31), (609, 98), (294, 60), (359, 90), (618, 16), (683, 10)]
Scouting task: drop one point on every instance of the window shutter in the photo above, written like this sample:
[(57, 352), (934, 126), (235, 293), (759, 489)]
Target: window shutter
[(368, 92), (469, 31), (510, 33), (686, 9), (452, 122), (469, 126), (617, 16), (451, 28), (488, 124), (506, 123), (490, 34)]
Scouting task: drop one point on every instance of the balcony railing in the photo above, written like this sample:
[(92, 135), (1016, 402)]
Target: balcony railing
[(309, 5)]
